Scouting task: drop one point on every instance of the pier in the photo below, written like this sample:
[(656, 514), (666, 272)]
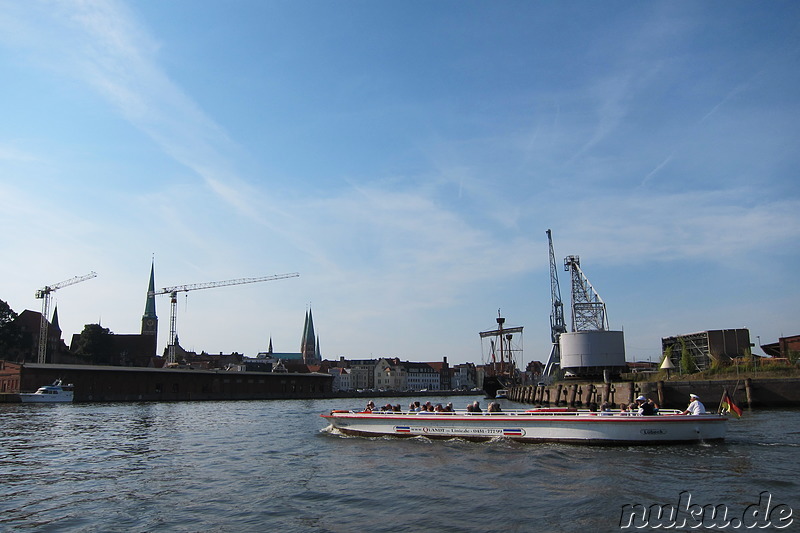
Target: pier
[(746, 392)]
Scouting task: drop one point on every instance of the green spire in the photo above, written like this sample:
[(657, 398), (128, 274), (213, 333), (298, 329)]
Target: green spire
[(150, 305)]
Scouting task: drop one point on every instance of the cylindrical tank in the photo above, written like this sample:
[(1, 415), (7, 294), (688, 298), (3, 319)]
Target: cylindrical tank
[(585, 353)]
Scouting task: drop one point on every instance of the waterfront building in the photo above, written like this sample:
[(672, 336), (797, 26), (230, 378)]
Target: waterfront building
[(390, 374), (341, 379), (422, 376), (705, 347), (786, 348), (362, 373), (27, 326), (463, 377)]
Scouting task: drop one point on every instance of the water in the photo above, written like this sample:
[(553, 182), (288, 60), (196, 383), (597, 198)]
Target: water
[(269, 466)]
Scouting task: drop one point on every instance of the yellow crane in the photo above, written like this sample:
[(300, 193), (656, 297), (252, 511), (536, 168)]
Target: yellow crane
[(173, 297), (44, 295)]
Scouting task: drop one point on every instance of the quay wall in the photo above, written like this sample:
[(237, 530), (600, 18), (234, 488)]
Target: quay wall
[(137, 384), (748, 392)]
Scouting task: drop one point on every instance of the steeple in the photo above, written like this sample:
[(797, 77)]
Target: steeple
[(149, 319), (54, 323), (308, 346)]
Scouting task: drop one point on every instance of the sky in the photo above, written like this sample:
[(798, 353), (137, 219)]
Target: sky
[(406, 159)]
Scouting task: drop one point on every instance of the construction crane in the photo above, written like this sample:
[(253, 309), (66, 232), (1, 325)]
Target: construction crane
[(588, 309), (44, 295), (173, 297), (557, 324)]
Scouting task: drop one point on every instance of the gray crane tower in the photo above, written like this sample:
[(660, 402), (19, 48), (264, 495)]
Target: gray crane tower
[(173, 296), (591, 349), (44, 295), (557, 325)]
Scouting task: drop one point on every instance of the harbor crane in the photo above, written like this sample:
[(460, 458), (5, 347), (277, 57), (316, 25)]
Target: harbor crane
[(588, 309), (44, 295), (173, 297), (557, 324)]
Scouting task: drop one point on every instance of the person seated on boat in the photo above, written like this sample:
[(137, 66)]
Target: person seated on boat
[(654, 404), (623, 409), (645, 408), (438, 408), (428, 406), (593, 407), (387, 407), (494, 407), (605, 409), (470, 408), (397, 408), (695, 407), (476, 407), (449, 407), (370, 407)]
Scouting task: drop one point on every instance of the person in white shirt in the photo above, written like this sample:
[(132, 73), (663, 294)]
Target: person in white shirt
[(695, 407)]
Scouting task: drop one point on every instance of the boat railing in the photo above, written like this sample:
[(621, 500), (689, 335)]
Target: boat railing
[(545, 412)]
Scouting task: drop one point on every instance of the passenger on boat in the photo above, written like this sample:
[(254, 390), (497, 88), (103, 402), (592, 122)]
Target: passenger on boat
[(645, 408), (695, 407), (624, 409), (397, 408), (438, 408), (449, 407), (494, 407), (476, 407), (370, 406)]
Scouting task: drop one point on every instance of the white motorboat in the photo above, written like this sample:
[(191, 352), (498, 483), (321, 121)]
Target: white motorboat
[(55, 393), (536, 425)]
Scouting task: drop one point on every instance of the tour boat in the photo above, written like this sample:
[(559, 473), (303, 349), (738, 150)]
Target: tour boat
[(55, 393), (535, 425)]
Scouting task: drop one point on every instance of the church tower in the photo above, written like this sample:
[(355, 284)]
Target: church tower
[(149, 319), (308, 346)]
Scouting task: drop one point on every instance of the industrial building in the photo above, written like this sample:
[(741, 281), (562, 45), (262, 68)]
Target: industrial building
[(705, 347)]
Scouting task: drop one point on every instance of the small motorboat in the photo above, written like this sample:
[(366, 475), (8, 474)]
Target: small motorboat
[(55, 393), (501, 393), (535, 425)]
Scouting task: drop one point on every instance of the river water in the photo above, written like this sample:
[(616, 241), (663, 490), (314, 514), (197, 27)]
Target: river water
[(271, 466)]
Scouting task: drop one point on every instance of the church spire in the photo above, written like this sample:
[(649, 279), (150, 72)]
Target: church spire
[(308, 346), (149, 319), (54, 323)]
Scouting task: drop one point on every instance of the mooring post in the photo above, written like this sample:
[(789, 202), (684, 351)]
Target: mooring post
[(558, 394), (572, 393), (660, 386), (748, 389)]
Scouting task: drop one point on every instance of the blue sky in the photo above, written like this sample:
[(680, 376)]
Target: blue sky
[(406, 159)]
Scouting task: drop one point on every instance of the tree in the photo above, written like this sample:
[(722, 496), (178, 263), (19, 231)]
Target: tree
[(688, 365), (10, 336), (95, 344)]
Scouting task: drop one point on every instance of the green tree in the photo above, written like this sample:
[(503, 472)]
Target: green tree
[(10, 336), (688, 365), (95, 344)]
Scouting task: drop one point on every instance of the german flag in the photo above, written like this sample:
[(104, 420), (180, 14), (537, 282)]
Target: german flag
[(727, 405)]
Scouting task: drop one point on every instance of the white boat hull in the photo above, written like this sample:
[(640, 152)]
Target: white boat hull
[(55, 393), (536, 426), (41, 398)]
